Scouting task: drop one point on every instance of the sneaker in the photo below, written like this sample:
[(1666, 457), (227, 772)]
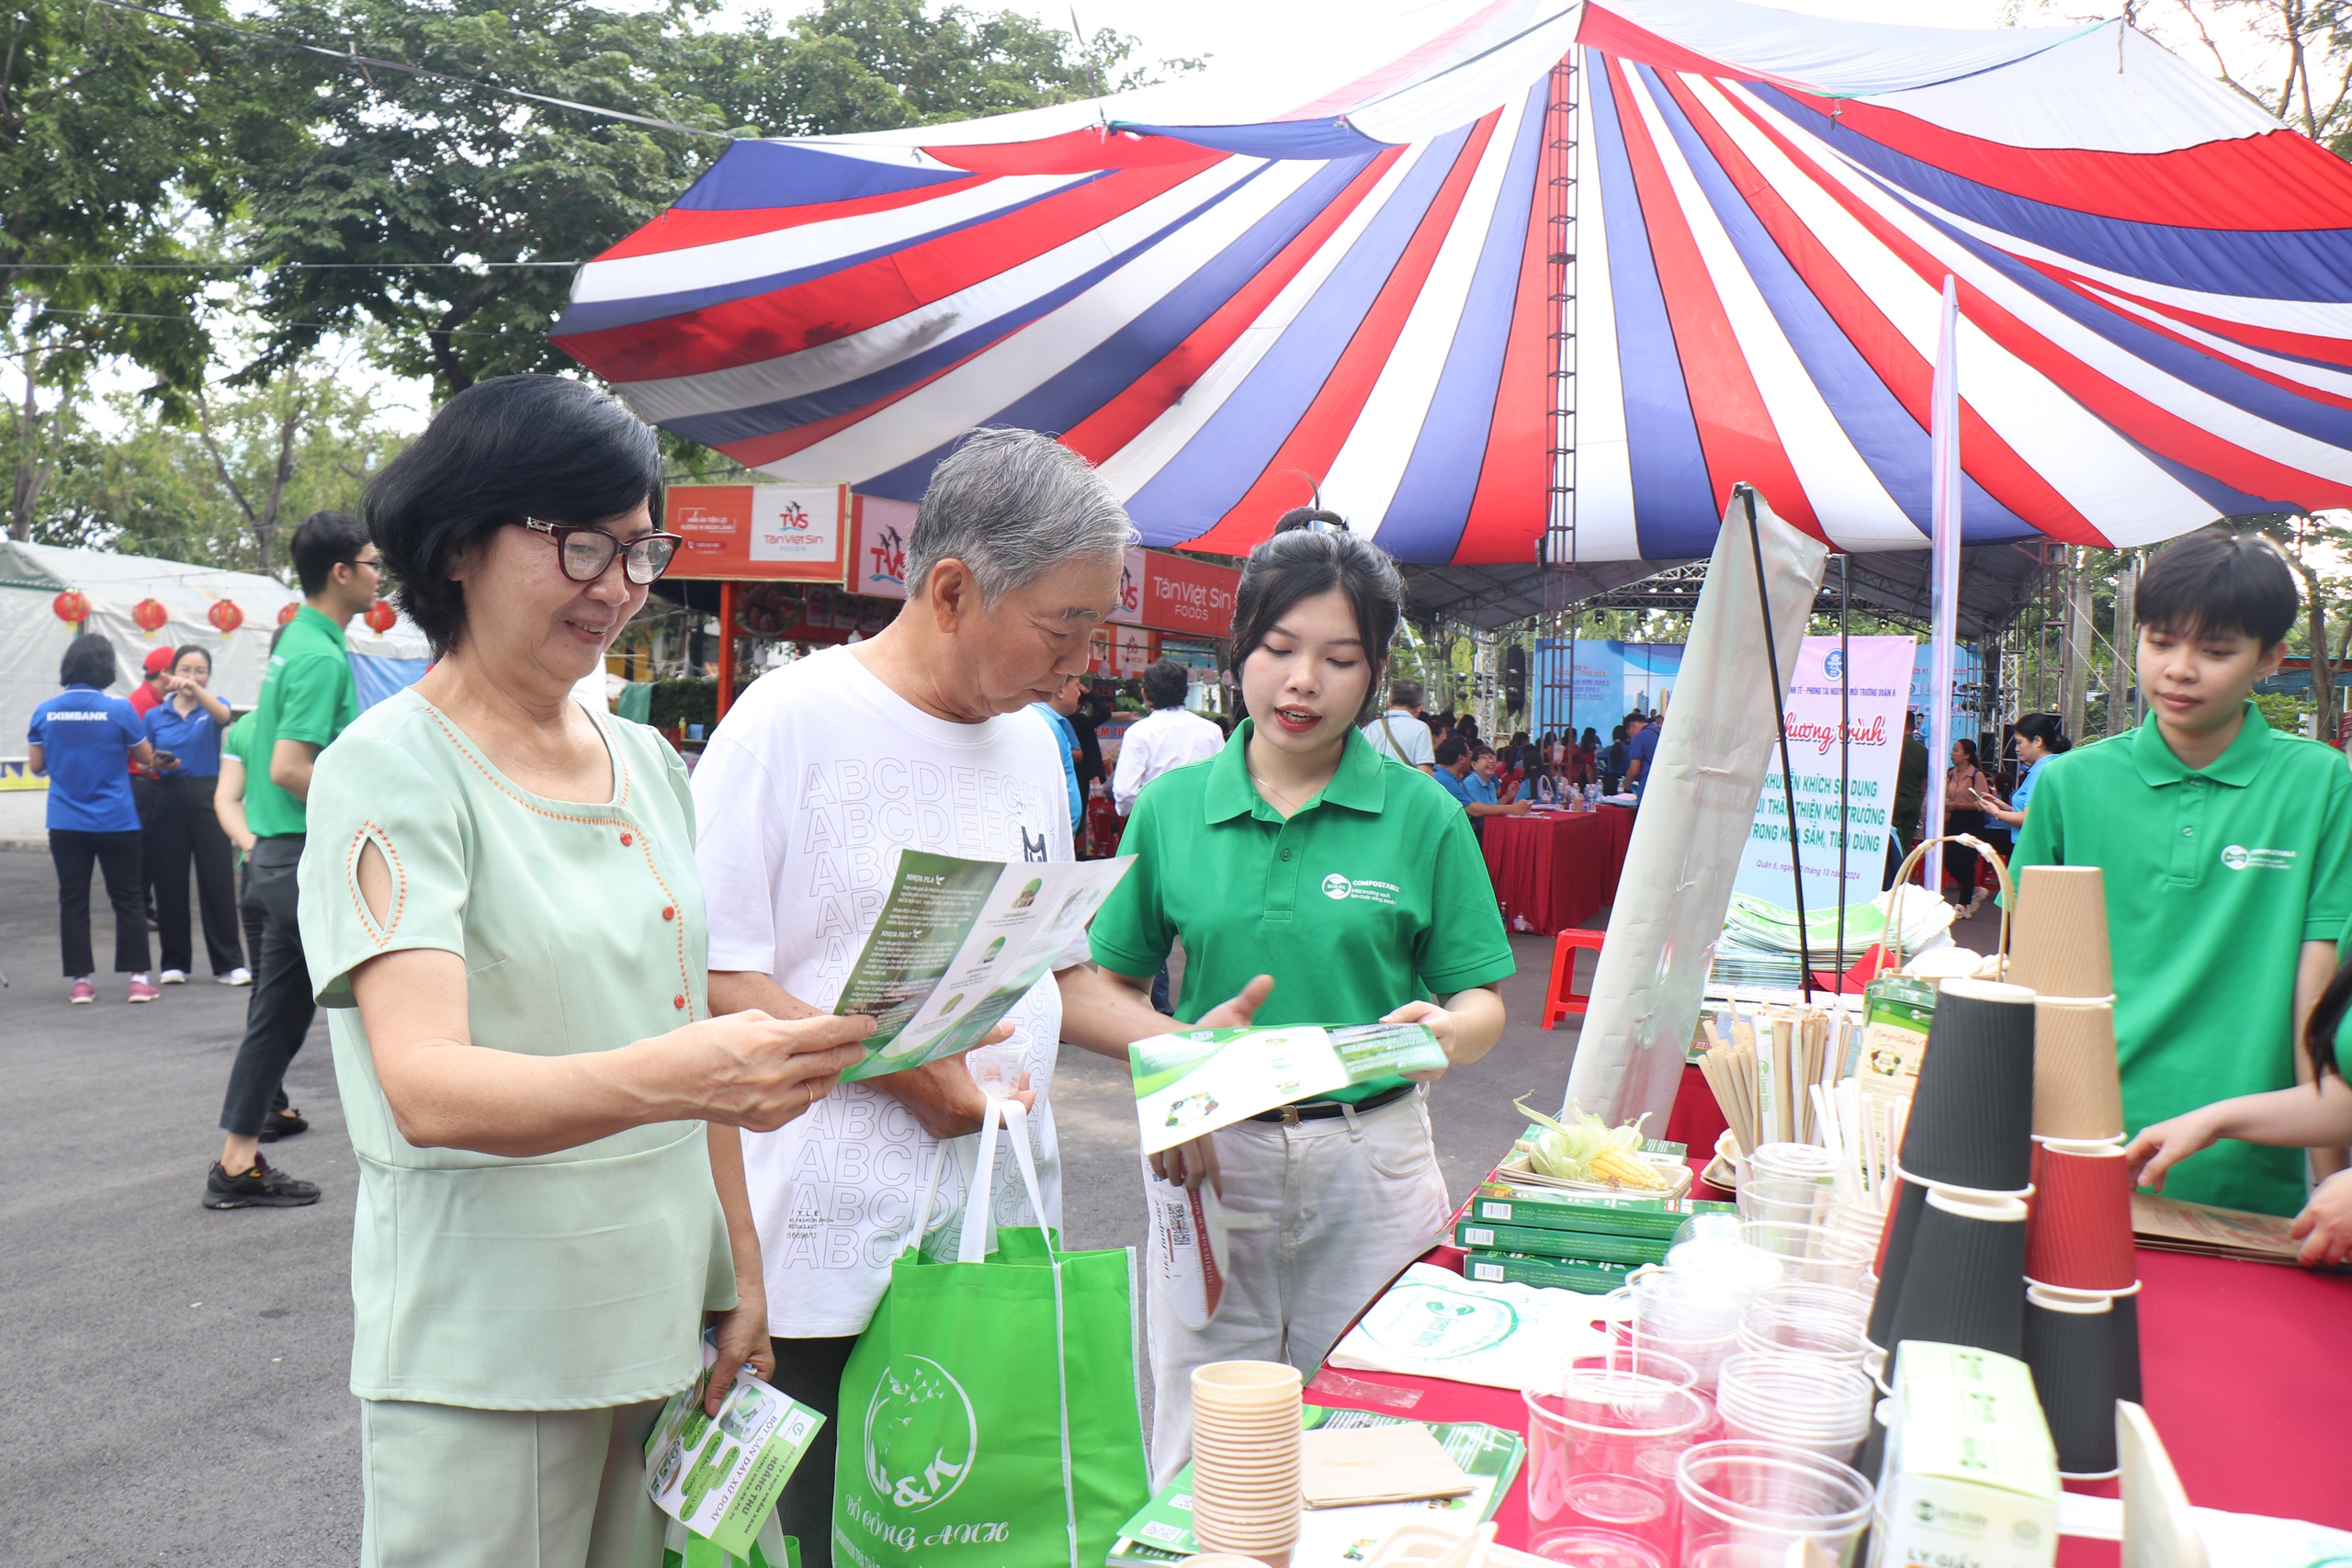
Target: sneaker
[(281, 1124), (173, 977), (82, 991), (140, 991), (263, 1186), (240, 976)]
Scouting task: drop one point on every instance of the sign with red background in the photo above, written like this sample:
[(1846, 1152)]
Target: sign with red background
[(1191, 596), (751, 533)]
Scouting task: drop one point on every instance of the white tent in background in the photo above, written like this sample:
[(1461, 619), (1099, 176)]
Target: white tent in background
[(32, 639)]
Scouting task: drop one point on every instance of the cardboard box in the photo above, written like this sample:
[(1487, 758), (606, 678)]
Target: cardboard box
[(1557, 1273), (1971, 1476), (1587, 1246), (1599, 1214)]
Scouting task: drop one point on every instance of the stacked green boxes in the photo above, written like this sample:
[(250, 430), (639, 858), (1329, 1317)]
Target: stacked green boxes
[(1578, 1241)]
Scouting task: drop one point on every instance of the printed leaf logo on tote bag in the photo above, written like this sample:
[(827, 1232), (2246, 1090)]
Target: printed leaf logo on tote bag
[(921, 1434)]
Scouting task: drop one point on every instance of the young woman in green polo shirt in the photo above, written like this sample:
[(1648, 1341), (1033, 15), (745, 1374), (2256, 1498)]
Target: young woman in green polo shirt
[(1302, 854)]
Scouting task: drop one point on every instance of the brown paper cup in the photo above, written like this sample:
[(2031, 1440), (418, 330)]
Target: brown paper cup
[(2058, 943), (2076, 1092)]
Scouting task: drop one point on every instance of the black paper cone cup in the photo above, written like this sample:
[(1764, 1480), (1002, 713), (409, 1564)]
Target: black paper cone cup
[(1964, 1283), (1972, 1114), (1909, 1199), (2127, 1348), (2071, 1347)]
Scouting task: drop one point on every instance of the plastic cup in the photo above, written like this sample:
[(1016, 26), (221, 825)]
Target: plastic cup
[(1602, 1457), (996, 1068), (1803, 1400), (1813, 1254), (1774, 1330), (1641, 1362), (1795, 1199), (1808, 1162), (1748, 1504)]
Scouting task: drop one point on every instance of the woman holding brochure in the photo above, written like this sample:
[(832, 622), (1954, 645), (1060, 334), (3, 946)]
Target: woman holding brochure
[(1301, 852), (500, 904)]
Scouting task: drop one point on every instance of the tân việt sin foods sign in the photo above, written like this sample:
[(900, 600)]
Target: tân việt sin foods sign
[(782, 533), (1185, 595)]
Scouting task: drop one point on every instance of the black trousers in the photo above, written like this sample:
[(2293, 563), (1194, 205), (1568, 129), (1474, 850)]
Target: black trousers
[(183, 831), (810, 1371), (116, 856), (251, 921), (278, 1012), (1960, 861), (143, 797)]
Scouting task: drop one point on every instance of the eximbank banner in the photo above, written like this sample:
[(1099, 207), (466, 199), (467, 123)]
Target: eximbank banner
[(1880, 687)]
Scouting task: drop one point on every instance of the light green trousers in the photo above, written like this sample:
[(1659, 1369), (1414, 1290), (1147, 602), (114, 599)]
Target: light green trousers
[(452, 1488)]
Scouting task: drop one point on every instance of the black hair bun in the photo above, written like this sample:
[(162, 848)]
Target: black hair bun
[(1303, 516)]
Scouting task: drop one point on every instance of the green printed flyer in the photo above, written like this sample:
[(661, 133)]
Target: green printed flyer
[(720, 1476), (1201, 1079), (958, 944)]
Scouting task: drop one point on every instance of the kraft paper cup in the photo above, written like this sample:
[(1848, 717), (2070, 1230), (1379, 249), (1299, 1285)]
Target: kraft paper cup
[(1965, 1282), (1972, 1114), (1894, 1259), (2071, 1347), (2058, 939), (1253, 1383), (2080, 1236), (2077, 1090)]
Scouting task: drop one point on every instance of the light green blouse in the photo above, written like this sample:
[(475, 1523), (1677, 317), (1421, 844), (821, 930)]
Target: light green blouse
[(569, 1281)]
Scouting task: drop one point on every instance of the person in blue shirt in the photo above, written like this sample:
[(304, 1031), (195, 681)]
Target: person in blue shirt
[(182, 830), (1057, 718), (2041, 735), (86, 742), (1641, 752), (1455, 757)]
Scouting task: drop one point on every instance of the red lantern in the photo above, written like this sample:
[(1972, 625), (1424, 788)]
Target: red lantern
[(72, 605), (225, 617), (150, 615), (381, 617), (286, 616)]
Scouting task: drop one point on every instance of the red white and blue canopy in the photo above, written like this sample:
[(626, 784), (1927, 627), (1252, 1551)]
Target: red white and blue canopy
[(1315, 274)]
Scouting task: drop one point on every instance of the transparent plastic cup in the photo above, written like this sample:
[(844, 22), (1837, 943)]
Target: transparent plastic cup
[(1806, 1162), (1748, 1504), (1601, 1459), (1812, 1255), (1803, 1400), (1797, 1200), (1641, 1362), (996, 1068)]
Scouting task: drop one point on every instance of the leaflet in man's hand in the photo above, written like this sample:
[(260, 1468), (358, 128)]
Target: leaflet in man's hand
[(958, 944), (1201, 1079)]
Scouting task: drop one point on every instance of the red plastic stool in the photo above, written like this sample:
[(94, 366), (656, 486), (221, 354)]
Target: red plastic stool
[(1562, 998)]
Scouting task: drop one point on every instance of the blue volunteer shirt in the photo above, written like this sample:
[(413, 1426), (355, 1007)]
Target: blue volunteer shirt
[(1458, 788), (1067, 733), (85, 737), (1479, 790), (1643, 749), (193, 736)]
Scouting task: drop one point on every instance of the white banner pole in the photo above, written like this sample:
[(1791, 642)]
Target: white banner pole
[(1943, 593)]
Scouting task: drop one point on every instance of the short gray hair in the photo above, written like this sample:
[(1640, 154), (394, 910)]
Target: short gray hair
[(1013, 505)]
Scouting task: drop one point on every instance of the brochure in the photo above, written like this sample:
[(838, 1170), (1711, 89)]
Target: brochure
[(1332, 1538), (1199, 1080), (720, 1477), (958, 944)]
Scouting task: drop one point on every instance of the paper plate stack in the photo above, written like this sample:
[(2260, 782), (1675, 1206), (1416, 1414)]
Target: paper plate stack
[(1245, 1458)]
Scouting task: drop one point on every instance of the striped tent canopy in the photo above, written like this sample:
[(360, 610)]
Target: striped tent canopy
[(1517, 262)]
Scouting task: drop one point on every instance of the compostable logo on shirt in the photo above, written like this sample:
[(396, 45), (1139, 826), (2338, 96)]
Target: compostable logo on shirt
[(2237, 857), (1337, 886)]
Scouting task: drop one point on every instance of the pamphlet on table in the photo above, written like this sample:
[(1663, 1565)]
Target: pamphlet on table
[(958, 944), (1199, 1080)]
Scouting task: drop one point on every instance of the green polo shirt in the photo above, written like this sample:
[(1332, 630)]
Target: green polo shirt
[(2215, 879), (307, 694), (1373, 895)]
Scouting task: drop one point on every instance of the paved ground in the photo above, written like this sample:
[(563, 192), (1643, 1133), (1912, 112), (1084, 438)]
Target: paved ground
[(193, 1363)]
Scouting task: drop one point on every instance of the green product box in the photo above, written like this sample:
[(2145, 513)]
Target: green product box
[(1600, 1213), (1586, 1247), (1559, 1273)]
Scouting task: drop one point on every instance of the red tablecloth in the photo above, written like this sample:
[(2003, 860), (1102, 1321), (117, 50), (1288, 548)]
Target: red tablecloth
[(2247, 1376), (1553, 873), (1697, 1120)]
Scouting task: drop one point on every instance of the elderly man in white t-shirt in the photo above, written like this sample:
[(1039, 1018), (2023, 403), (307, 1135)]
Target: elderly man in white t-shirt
[(1400, 732), (1166, 738), (918, 738)]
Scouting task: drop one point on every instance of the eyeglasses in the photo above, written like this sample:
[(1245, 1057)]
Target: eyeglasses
[(585, 553)]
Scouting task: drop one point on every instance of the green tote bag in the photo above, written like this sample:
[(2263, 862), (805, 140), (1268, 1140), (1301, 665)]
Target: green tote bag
[(989, 1416)]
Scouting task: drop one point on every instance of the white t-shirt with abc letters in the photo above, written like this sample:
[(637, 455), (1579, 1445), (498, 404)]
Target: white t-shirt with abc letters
[(808, 786)]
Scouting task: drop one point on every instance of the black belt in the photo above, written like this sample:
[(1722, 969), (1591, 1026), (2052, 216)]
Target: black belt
[(1324, 1109)]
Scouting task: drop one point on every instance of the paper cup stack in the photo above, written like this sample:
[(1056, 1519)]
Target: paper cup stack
[(1245, 1458), (2081, 1314)]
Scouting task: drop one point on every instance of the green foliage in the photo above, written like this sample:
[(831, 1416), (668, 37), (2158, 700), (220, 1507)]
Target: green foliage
[(675, 702), (2282, 710)]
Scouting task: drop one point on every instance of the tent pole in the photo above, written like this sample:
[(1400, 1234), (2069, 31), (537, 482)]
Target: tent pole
[(1845, 748), (1781, 724), (726, 648), (1943, 583)]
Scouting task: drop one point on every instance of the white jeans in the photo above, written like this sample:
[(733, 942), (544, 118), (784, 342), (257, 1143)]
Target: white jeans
[(1352, 1200)]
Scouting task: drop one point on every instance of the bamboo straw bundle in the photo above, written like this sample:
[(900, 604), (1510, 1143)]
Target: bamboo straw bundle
[(1771, 1066)]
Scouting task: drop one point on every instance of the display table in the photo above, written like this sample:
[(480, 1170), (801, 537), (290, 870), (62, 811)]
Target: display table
[(1552, 871), (2245, 1374)]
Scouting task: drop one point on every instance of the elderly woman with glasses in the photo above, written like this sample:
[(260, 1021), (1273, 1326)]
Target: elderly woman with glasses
[(500, 905)]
